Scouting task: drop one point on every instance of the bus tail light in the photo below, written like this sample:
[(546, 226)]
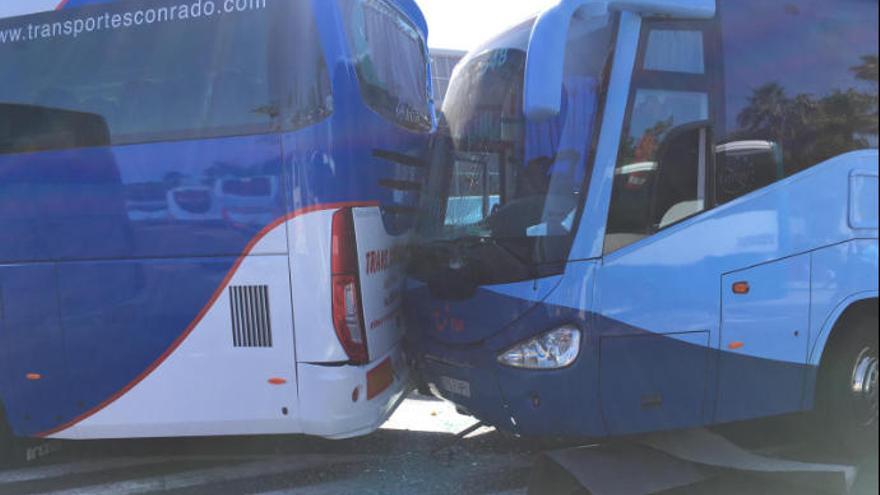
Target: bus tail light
[(348, 319)]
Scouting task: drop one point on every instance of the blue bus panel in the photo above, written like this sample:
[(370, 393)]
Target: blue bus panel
[(140, 162)]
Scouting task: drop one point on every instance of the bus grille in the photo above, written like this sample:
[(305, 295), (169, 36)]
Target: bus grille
[(251, 325)]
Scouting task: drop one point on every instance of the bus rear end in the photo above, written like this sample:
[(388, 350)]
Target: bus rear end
[(349, 326)]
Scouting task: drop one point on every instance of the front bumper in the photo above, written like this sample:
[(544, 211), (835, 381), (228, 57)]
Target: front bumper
[(327, 405), (553, 403)]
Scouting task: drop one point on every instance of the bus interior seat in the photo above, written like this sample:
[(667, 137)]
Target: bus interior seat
[(614, 242), (681, 211)]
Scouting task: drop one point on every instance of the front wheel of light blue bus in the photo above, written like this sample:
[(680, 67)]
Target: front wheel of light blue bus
[(847, 394)]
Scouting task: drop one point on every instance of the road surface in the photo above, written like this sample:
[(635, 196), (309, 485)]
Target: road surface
[(415, 453)]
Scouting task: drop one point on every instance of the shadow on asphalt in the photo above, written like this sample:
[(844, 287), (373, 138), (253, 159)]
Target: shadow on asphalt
[(423, 455)]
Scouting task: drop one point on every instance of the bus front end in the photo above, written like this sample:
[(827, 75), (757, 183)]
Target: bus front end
[(491, 327), (617, 237)]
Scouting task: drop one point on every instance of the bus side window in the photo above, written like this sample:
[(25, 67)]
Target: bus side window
[(661, 175), (745, 166), (800, 87), (680, 187)]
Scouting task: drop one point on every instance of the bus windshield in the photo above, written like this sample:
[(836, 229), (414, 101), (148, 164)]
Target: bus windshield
[(506, 181)]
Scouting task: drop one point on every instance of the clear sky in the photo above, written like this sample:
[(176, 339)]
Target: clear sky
[(464, 24)]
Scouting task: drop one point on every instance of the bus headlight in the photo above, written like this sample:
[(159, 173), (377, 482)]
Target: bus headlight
[(553, 350)]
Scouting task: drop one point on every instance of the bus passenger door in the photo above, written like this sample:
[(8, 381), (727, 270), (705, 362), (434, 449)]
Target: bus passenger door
[(32, 365), (657, 297), (657, 287), (764, 334)]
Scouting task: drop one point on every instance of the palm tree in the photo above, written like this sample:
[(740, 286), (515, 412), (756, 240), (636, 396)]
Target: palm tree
[(868, 71), (766, 112)]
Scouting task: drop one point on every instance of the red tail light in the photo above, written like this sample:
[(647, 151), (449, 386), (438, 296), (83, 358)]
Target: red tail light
[(348, 315)]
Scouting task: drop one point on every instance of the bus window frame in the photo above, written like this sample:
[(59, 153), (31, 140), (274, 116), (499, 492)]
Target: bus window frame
[(710, 83)]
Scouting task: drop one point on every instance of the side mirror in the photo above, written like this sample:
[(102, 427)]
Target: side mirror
[(545, 63)]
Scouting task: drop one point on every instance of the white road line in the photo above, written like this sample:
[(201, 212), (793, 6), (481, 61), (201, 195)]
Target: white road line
[(220, 474)]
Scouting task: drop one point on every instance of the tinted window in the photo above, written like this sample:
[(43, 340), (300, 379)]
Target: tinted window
[(308, 93), (660, 177), (391, 62), (173, 78), (800, 86), (746, 166), (675, 50), (25, 128)]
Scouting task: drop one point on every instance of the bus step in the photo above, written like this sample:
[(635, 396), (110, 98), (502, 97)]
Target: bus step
[(662, 462)]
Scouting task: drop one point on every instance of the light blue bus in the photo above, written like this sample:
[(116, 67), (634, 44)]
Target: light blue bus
[(685, 229)]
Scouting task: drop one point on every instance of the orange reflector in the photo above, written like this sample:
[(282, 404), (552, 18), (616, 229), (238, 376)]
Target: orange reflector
[(736, 345), (379, 379), (277, 381), (34, 376), (741, 288)]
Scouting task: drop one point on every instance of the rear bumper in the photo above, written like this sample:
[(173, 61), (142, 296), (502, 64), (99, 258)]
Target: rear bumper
[(327, 408)]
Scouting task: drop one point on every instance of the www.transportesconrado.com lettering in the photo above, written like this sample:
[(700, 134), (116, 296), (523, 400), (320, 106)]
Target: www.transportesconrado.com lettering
[(73, 28)]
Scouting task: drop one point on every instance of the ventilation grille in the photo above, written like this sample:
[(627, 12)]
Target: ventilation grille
[(251, 326)]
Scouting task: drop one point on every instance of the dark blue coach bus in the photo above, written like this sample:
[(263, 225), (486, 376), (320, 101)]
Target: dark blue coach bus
[(200, 206)]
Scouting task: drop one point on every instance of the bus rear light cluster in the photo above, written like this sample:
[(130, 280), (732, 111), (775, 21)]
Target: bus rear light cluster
[(348, 319)]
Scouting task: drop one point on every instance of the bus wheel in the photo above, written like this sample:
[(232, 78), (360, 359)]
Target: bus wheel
[(848, 400)]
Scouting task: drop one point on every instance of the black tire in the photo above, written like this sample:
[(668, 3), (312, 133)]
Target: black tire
[(847, 389)]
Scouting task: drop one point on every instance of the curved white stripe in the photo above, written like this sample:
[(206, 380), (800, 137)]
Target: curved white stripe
[(209, 387)]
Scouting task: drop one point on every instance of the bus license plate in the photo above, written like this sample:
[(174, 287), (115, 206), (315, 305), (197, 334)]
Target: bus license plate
[(457, 387)]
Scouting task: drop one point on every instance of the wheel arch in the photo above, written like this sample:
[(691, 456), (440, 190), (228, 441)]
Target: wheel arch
[(855, 306)]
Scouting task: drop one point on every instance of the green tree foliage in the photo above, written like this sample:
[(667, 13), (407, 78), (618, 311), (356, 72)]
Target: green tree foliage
[(813, 129)]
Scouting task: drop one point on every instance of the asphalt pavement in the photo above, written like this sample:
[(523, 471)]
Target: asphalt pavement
[(416, 452)]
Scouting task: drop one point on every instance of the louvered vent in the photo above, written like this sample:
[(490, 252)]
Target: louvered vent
[(251, 326)]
